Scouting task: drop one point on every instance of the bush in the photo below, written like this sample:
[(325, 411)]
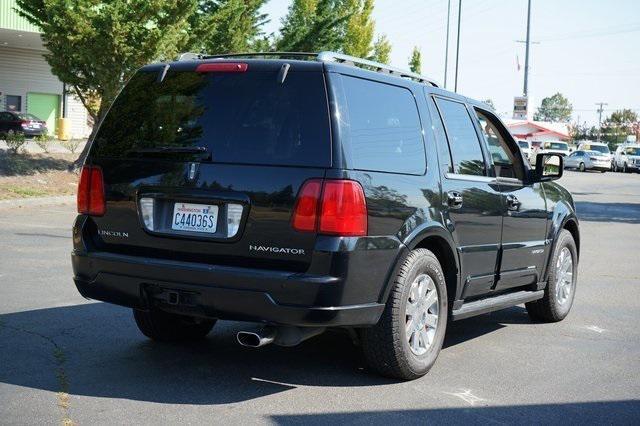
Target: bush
[(44, 142), (15, 140), (71, 144)]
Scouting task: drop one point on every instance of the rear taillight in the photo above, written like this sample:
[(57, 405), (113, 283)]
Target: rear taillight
[(334, 207), (24, 124), (305, 215), (91, 191), (222, 67)]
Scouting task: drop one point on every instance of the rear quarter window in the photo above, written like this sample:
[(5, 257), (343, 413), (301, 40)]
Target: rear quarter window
[(380, 127)]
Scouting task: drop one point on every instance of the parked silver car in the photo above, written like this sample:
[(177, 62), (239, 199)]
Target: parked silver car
[(587, 160)]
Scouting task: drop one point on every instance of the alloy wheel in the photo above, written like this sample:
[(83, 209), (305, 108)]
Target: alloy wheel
[(564, 276), (421, 314)]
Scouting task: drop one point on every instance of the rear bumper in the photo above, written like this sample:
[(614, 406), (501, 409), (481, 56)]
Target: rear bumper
[(236, 293), (34, 132)]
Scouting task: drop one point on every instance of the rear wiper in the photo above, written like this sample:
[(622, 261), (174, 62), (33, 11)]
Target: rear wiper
[(202, 150)]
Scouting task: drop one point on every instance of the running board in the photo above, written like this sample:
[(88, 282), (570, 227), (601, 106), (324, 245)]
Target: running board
[(495, 303)]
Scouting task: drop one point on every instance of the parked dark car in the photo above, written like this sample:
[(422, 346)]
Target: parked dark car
[(308, 194), (20, 122)]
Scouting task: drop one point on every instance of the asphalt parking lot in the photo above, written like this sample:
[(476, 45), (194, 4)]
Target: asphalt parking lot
[(64, 359)]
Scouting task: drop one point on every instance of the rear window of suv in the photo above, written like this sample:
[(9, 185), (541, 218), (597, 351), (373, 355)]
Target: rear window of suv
[(248, 117)]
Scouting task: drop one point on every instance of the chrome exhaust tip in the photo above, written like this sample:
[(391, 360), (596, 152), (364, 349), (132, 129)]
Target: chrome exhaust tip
[(256, 339)]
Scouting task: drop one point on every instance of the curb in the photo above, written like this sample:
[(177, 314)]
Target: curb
[(37, 202)]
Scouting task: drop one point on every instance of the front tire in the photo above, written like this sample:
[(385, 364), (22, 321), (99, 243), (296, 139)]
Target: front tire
[(407, 340), (561, 287), (582, 168), (164, 326)]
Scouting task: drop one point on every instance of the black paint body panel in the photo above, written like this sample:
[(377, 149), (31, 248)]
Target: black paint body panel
[(335, 281)]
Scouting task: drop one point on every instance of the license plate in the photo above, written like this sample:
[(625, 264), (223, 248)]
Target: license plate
[(195, 218)]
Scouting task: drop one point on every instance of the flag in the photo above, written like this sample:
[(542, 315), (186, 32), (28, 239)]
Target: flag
[(518, 62)]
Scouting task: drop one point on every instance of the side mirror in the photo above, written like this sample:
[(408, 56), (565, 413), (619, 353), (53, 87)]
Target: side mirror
[(548, 167)]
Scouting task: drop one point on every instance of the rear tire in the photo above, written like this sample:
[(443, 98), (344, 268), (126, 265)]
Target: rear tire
[(561, 287), (388, 348), (164, 326)]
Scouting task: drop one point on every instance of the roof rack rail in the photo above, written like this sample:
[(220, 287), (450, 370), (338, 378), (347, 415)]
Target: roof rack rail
[(375, 66), (325, 56), (261, 54)]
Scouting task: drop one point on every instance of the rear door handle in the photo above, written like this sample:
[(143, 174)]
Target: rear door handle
[(512, 202), (454, 199)]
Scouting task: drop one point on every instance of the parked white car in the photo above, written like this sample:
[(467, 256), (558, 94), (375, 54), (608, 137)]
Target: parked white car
[(627, 158), (601, 147), (587, 160), (555, 147), (525, 147)]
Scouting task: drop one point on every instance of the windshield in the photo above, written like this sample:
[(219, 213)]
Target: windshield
[(602, 149), (632, 151), (23, 116), (556, 145), (248, 117), (593, 153), (523, 144)]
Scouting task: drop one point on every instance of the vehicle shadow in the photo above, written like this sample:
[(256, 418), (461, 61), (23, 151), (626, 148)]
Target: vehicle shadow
[(608, 212), (598, 412), (94, 349), (471, 328), (30, 164)]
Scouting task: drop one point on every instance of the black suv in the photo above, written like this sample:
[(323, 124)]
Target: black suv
[(307, 194)]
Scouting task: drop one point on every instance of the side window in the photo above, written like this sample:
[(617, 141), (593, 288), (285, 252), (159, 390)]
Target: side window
[(464, 145), (382, 131), (506, 157)]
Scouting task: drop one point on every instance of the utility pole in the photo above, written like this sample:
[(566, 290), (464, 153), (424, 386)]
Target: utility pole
[(600, 110), (455, 88), (526, 55), (446, 49)]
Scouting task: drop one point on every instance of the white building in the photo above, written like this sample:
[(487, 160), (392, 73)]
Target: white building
[(26, 82)]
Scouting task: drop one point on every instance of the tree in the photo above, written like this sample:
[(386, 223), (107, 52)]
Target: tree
[(619, 125), (95, 47), (223, 26), (382, 50), (581, 131), (555, 108), (314, 25), (360, 26), (340, 25), (490, 103), (415, 62)]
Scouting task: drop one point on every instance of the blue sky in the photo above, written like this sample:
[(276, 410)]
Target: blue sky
[(589, 49)]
